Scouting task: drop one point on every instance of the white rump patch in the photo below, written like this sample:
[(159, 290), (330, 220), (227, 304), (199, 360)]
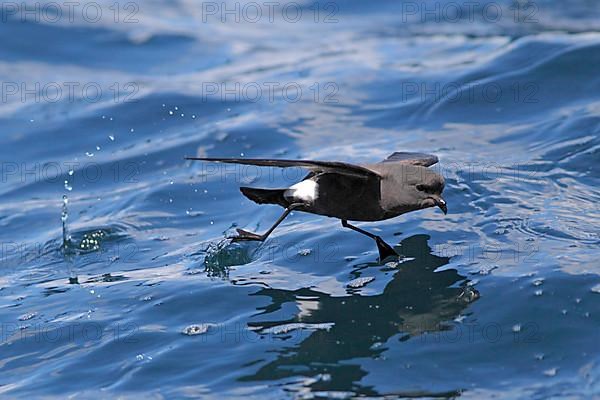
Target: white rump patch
[(305, 191)]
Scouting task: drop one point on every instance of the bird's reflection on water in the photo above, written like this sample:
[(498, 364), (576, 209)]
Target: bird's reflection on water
[(337, 330)]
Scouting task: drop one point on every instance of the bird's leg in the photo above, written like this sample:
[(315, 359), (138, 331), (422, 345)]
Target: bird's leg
[(385, 250), (245, 235)]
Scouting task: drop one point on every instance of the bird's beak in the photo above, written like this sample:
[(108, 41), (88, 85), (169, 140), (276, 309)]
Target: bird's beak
[(441, 203)]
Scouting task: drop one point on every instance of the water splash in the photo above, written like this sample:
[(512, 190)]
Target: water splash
[(223, 254), (287, 328), (360, 282), (66, 237), (197, 329), (91, 241)]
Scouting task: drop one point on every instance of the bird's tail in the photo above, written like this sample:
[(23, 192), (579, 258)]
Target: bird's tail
[(265, 196)]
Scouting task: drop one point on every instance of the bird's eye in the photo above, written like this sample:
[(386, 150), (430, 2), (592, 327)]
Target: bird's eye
[(421, 187)]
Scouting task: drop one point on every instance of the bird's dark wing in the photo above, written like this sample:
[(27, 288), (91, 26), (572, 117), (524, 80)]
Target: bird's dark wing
[(422, 159), (315, 166)]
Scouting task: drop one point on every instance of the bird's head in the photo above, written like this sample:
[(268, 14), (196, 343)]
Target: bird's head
[(429, 192)]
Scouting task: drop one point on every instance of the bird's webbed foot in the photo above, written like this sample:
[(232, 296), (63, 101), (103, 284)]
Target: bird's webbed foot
[(385, 250), (245, 235)]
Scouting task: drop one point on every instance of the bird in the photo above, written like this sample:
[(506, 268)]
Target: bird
[(401, 183)]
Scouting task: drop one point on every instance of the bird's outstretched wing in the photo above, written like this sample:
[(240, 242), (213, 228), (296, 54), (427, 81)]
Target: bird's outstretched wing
[(315, 166), (422, 159)]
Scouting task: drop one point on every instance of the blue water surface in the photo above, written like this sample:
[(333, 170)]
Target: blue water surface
[(116, 279)]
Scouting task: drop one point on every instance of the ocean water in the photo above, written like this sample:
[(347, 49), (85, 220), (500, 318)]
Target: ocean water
[(116, 275)]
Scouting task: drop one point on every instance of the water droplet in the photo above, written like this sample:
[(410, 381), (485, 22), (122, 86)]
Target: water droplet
[(111, 137), (98, 148), (87, 153), (516, 328), (551, 372), (71, 172), (304, 252), (193, 116), (176, 108), (27, 317), (170, 112), (67, 186), (132, 130)]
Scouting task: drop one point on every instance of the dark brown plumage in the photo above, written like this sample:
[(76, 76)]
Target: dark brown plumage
[(373, 192)]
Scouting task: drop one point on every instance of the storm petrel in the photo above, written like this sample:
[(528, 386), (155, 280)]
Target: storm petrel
[(372, 192)]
